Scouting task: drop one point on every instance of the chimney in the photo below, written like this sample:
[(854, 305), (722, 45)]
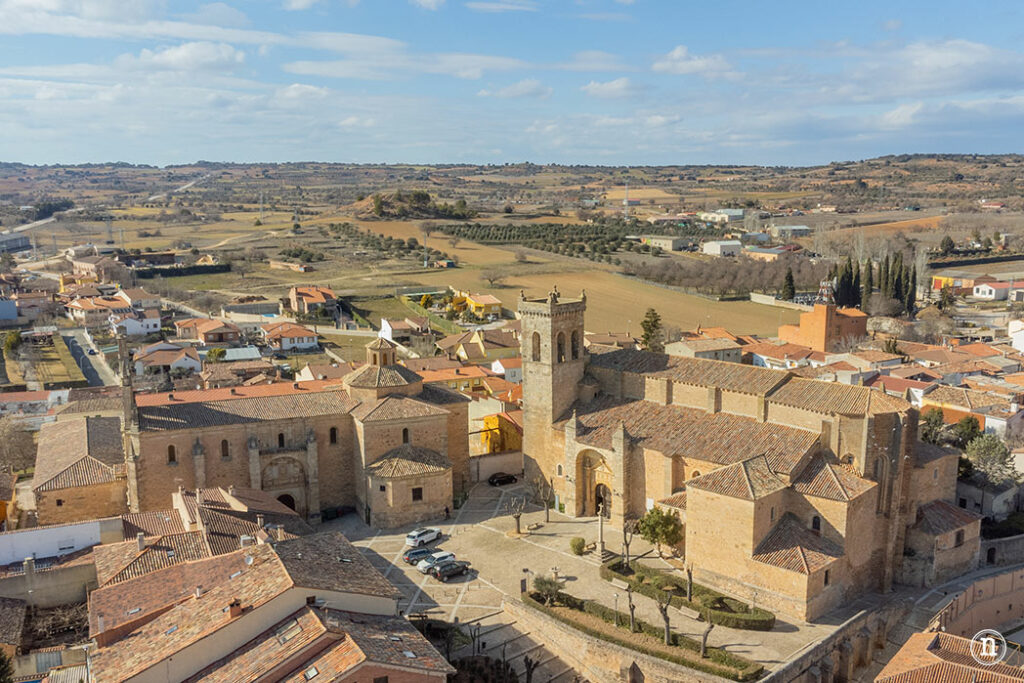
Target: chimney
[(199, 497), (199, 591), (295, 385), (231, 490), (259, 521), (140, 538), (279, 532), (245, 540), (235, 609), (234, 392), (170, 397)]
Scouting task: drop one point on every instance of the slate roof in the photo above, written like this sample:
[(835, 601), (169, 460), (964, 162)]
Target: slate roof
[(939, 517), (792, 546), (721, 438), (242, 410), (80, 452), (408, 460), (824, 479), (378, 376), (12, 620), (696, 371), (750, 479), (395, 408)]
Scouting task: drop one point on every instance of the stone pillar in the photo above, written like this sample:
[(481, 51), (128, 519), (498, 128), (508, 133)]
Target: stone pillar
[(623, 476), (312, 478), (199, 463), (255, 471)]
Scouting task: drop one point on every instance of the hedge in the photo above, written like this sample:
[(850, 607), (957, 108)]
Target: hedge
[(721, 663), (437, 321), (713, 606)]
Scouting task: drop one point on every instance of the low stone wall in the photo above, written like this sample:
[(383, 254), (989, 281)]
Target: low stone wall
[(1002, 552), (986, 603), (51, 587), (770, 300), (483, 466), (598, 660)]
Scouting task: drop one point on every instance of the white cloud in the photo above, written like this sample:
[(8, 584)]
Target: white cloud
[(504, 6), (300, 92), (218, 14), (618, 88), (680, 61), (428, 4), (593, 60), (902, 116), (529, 87), (202, 56), (356, 122), (297, 5), (625, 2), (390, 64), (892, 25)]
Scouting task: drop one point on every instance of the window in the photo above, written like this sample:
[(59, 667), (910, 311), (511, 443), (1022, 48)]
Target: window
[(225, 451), (959, 541), (826, 577), (60, 502), (380, 679), (816, 523), (963, 503), (280, 440), (417, 493), (383, 488), (172, 455), (535, 354), (560, 345), (287, 631), (334, 435), (559, 470), (935, 473), (772, 518), (310, 673), (696, 473), (405, 435)]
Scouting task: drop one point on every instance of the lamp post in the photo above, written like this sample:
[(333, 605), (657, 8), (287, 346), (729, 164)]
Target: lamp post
[(616, 595)]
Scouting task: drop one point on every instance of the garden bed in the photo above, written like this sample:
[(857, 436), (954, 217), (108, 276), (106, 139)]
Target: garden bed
[(598, 621), (711, 605)]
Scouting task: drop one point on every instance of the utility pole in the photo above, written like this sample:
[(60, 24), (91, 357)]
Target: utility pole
[(261, 206)]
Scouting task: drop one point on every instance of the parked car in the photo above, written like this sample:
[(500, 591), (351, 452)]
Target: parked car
[(430, 560), (92, 352), (445, 570), (422, 536), (414, 555), (501, 478)]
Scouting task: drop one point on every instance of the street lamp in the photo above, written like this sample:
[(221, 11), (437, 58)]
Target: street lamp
[(616, 609)]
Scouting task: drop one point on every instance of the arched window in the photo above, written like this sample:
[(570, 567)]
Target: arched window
[(535, 353), (575, 344), (172, 455), (559, 470), (225, 451), (696, 473), (334, 435), (405, 435), (816, 523), (561, 347), (280, 440)]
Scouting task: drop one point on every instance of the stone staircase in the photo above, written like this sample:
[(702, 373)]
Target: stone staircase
[(499, 637)]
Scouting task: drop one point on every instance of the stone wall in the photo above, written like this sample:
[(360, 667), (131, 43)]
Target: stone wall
[(483, 466), (1002, 552), (987, 603), (62, 585), (598, 660), (82, 503)]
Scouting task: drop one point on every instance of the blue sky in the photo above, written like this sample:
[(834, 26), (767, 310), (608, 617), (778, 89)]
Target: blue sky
[(493, 81)]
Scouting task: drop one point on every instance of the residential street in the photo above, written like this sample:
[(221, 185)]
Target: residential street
[(94, 369)]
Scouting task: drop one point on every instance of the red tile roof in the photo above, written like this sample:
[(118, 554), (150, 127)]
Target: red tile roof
[(939, 517), (943, 658), (749, 480), (824, 479), (792, 546)]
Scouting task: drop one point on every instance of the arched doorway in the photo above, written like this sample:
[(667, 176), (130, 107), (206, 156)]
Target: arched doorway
[(603, 500), (287, 500), (990, 556), (592, 471)]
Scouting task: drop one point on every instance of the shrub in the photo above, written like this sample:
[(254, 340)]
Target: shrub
[(577, 544)]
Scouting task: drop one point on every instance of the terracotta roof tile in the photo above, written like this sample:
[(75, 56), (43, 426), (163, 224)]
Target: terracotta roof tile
[(328, 561), (695, 371), (377, 376), (933, 657), (79, 452), (791, 545), (408, 460), (832, 398), (676, 500), (823, 479), (750, 479), (243, 410), (395, 408), (939, 517), (117, 562)]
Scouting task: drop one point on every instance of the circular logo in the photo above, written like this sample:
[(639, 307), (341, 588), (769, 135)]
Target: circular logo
[(988, 647)]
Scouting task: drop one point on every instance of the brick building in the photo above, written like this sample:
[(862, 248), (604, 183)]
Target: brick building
[(826, 327), (795, 493), (379, 440)]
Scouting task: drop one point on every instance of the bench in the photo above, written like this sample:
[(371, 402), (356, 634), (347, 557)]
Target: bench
[(534, 526)]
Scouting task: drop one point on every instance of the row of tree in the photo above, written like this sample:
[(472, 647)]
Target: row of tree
[(897, 282)]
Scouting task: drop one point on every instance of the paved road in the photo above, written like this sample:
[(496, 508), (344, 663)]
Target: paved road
[(95, 370)]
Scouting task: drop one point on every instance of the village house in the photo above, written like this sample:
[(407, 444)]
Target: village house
[(96, 311), (309, 299), (826, 328), (509, 368), (722, 247), (480, 305), (235, 373), (166, 357), (992, 291), (403, 331), (479, 346), (139, 299), (136, 323), (996, 414), (712, 349), (208, 331), (783, 356), (618, 340), (289, 336), (814, 484), (320, 371)]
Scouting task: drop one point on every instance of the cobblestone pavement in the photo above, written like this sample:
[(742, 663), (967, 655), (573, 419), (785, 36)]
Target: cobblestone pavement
[(481, 532)]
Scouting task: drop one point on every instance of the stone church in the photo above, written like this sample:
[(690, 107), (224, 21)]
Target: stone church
[(378, 441), (797, 494)]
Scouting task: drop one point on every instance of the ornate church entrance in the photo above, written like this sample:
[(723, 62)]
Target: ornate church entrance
[(593, 484)]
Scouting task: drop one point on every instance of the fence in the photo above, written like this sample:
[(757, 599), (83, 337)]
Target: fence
[(770, 300)]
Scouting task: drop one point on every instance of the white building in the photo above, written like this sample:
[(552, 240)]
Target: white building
[(992, 291), (287, 336), (135, 324), (510, 368), (788, 232), (723, 248)]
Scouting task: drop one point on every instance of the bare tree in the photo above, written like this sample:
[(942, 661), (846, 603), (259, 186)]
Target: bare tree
[(704, 640), (427, 229), (544, 494), (492, 277), (454, 240), (632, 608), (689, 582), (530, 665), (17, 449), (628, 529), (663, 604), (514, 507), (521, 256)]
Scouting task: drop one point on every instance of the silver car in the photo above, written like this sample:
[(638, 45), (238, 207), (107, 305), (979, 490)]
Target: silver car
[(427, 562)]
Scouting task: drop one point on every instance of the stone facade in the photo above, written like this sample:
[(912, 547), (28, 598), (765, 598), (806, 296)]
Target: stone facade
[(310, 445), (75, 504), (796, 494)]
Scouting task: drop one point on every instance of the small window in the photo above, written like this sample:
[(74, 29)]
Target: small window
[(816, 523), (280, 440), (311, 673), (959, 540), (334, 435), (225, 450), (772, 518), (172, 455), (310, 599), (287, 631), (417, 493), (826, 577), (935, 473), (383, 488), (963, 503), (405, 435), (696, 473), (559, 470), (60, 502), (380, 679)]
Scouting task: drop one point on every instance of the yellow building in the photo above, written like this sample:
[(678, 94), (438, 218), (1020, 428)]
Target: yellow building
[(503, 432), (481, 305)]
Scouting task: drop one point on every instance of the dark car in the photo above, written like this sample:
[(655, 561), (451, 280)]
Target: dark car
[(501, 478), (444, 571), (414, 555)]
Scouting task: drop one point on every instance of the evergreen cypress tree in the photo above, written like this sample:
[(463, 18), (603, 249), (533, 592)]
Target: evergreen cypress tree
[(883, 277), (869, 284), (910, 298), (789, 286), (855, 299), (896, 282)]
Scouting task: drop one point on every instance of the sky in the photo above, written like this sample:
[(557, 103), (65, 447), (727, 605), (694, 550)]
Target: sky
[(610, 82)]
